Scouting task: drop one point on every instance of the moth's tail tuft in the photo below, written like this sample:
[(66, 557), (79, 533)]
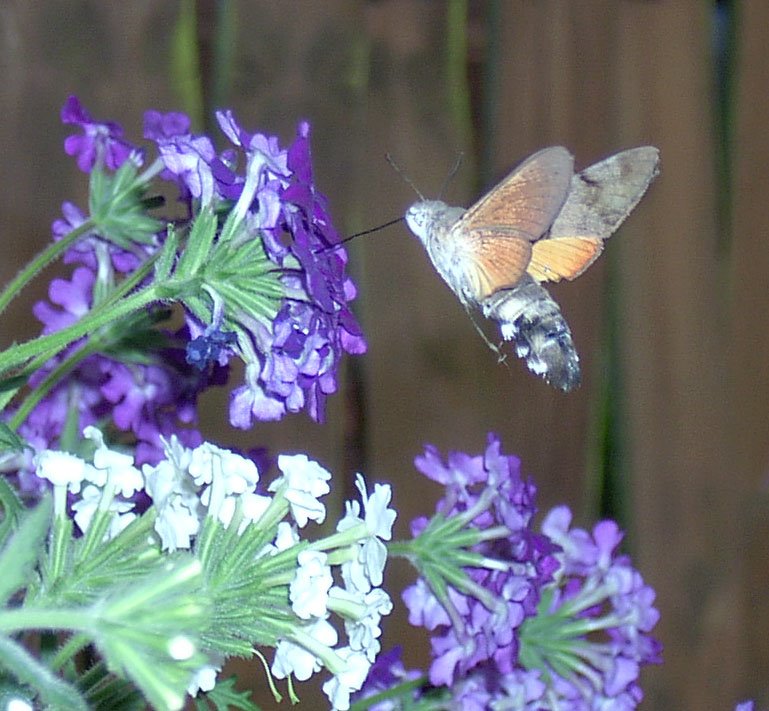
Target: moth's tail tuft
[(528, 315)]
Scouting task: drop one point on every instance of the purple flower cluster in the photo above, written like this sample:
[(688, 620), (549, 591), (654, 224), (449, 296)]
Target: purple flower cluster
[(475, 631), (298, 352), (560, 622), (144, 381), (101, 142)]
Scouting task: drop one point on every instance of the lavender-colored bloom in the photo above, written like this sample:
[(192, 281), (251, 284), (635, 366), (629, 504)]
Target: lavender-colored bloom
[(74, 298), (387, 672), (187, 158), (610, 611), (292, 365), (484, 630), (100, 141), (299, 355), (572, 622)]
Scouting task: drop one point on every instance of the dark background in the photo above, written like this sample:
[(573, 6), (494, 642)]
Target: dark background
[(669, 430)]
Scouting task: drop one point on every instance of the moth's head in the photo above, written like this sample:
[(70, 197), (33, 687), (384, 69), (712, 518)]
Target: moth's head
[(422, 215)]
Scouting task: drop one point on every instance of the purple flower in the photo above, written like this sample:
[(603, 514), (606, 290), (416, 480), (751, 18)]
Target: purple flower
[(98, 142), (480, 624), (387, 672), (187, 158), (300, 352), (547, 620), (603, 601), (74, 298), (296, 352)]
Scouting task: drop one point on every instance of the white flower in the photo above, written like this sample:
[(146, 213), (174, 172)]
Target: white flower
[(62, 469), (226, 473), (204, 679), (291, 658), (175, 497), (365, 568), (379, 519), (112, 466), (85, 509), (339, 688), (176, 524), (305, 481), (286, 536), (363, 634), (309, 588), (253, 506), (209, 461), (170, 477)]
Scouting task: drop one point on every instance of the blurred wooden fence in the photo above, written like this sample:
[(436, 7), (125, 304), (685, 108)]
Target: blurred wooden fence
[(671, 324)]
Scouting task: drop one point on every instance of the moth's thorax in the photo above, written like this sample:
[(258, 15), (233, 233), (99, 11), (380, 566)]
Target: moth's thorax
[(431, 219)]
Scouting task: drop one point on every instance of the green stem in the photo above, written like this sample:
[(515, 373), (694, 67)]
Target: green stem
[(41, 618), (41, 261), (94, 320), (33, 366), (50, 381), (400, 691), (71, 647)]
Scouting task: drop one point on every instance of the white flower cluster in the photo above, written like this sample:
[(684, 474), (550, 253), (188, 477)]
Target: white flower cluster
[(98, 484), (190, 485), (361, 602)]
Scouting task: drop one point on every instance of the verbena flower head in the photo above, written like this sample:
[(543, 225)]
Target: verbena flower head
[(259, 272), (601, 614), (555, 619), (292, 351), (255, 551), (480, 623)]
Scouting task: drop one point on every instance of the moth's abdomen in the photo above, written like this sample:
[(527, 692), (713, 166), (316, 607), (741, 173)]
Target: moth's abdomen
[(528, 315)]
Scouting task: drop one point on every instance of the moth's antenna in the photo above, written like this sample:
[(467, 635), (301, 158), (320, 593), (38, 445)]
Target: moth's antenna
[(403, 175), (452, 173)]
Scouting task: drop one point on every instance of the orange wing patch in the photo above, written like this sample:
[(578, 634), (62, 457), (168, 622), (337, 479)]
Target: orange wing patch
[(563, 257), (495, 261)]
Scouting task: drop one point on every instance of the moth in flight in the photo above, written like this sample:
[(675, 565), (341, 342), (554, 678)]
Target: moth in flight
[(542, 223)]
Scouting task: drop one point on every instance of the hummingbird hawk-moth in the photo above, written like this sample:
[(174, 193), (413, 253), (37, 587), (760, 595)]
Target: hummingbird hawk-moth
[(541, 223)]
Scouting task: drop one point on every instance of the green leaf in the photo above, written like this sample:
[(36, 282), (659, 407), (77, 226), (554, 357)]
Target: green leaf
[(224, 696), (117, 208), (106, 692), (53, 692), (12, 508), (9, 440), (139, 627), (21, 552), (198, 249), (165, 261)]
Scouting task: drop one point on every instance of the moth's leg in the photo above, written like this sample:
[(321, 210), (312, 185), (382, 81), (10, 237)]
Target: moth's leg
[(501, 357)]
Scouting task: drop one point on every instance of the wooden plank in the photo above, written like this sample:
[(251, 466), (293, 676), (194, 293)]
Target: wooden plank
[(686, 531), (748, 310)]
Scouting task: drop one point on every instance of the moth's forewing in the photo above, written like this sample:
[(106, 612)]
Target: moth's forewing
[(494, 260), (526, 202), (603, 195)]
